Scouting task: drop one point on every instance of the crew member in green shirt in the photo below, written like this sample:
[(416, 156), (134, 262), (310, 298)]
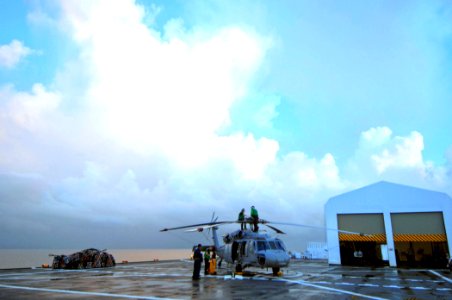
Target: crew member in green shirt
[(206, 262), (242, 219), (255, 217)]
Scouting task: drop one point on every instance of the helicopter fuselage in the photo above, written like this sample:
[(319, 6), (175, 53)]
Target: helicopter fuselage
[(245, 248)]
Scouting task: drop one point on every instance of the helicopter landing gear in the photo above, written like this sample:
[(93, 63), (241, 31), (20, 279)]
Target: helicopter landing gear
[(276, 271), (238, 268)]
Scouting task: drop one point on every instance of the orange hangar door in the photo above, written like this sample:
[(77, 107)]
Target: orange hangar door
[(362, 250), (420, 239)]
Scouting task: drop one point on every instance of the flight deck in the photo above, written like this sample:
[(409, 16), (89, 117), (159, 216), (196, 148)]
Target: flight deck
[(172, 280)]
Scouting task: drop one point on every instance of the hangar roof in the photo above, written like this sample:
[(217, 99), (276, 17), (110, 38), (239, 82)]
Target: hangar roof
[(383, 194)]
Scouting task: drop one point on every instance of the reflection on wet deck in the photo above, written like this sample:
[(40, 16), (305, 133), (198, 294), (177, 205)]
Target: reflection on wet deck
[(172, 280)]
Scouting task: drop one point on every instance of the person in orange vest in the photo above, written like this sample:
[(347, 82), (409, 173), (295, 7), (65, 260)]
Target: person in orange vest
[(213, 263)]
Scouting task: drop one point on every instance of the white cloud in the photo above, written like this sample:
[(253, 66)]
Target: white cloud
[(12, 53), (167, 92), (398, 152), (310, 173), (143, 146), (251, 157), (375, 137), (30, 111), (383, 156)]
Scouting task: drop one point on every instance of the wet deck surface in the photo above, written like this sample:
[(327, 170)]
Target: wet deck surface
[(172, 279)]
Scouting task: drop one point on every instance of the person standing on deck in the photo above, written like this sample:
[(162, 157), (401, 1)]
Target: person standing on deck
[(206, 262), (213, 262), (197, 257)]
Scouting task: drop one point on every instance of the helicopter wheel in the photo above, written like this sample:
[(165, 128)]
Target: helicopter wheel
[(275, 271), (238, 268)]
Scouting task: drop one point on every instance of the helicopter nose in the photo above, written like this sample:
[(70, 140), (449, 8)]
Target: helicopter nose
[(272, 259)]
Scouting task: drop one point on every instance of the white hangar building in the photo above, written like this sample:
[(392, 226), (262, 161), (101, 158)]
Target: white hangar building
[(404, 226)]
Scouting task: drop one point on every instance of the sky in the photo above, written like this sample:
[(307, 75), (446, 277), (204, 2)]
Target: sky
[(119, 118)]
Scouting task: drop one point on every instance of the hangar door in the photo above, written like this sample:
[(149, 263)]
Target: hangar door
[(358, 250), (420, 239)]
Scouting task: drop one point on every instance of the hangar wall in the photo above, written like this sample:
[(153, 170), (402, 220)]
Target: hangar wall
[(408, 214)]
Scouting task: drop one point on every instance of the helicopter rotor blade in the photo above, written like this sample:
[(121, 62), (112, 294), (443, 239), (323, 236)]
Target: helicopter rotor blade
[(211, 220), (201, 229), (317, 227), (275, 229), (199, 225)]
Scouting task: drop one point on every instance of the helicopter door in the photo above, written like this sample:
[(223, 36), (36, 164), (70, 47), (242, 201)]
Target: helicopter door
[(243, 249), (250, 248), (234, 250)]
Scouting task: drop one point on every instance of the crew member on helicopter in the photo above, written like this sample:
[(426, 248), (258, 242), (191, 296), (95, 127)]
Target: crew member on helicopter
[(197, 257), (255, 217), (242, 219)]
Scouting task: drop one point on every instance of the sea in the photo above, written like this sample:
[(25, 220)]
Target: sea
[(32, 258)]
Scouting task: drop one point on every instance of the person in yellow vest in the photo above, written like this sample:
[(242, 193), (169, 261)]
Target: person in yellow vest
[(213, 263)]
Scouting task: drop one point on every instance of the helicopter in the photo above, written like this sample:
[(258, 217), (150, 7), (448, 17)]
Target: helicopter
[(250, 248)]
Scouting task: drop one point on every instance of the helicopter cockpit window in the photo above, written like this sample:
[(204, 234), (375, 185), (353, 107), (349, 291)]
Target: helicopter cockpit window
[(280, 245), (272, 245), (260, 245)]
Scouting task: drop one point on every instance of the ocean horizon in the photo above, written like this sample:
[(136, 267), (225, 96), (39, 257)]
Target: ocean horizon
[(32, 258)]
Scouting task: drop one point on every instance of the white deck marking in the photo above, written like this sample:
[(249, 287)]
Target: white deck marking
[(393, 279), (302, 282), (393, 286), (368, 285), (81, 292), (420, 288), (440, 276), (23, 274)]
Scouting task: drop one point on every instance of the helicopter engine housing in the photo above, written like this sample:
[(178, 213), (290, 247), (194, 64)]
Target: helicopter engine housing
[(230, 237)]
